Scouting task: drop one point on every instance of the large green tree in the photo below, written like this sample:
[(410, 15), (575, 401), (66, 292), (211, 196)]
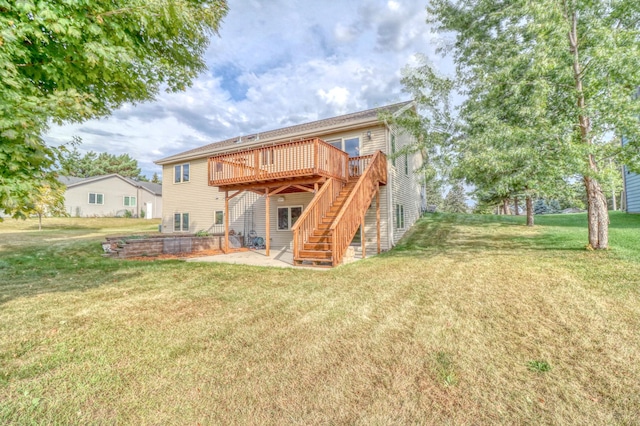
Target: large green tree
[(69, 61), (567, 68), (73, 163)]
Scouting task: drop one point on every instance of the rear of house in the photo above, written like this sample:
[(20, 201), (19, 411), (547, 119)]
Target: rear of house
[(290, 187), (631, 188)]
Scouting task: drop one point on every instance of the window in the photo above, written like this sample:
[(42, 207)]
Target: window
[(180, 222), (406, 164), (218, 166), (181, 173), (219, 218), (130, 201), (399, 216), (96, 198), (393, 150), (287, 216), (350, 145)]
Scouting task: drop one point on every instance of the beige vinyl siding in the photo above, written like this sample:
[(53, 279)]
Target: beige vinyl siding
[(247, 210), (114, 189), (405, 188)]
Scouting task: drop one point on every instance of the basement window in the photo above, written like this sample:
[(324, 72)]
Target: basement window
[(219, 218), (287, 216), (181, 222), (399, 216)]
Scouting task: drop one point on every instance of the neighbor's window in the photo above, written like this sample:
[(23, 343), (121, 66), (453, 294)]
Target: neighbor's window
[(399, 216), (287, 216), (180, 222), (96, 198), (219, 219), (130, 201), (393, 149), (181, 173)]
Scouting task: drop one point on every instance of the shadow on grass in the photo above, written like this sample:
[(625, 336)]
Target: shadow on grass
[(76, 266)]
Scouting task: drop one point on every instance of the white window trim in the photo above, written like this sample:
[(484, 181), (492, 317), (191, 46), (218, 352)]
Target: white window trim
[(135, 199), (215, 215), (181, 222), (96, 194), (181, 173), (400, 209), (342, 139), (288, 217)]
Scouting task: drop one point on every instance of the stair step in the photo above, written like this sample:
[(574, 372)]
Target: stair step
[(319, 255), (320, 239), (316, 246)]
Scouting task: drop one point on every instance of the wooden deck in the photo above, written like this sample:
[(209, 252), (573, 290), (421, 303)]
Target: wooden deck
[(307, 161)]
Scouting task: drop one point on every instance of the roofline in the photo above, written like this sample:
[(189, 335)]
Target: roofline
[(99, 178), (292, 136)]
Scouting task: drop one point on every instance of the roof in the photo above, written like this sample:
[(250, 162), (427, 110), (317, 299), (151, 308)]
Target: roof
[(298, 130), (71, 181)]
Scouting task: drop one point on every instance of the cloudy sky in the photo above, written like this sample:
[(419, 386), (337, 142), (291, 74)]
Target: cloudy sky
[(276, 63)]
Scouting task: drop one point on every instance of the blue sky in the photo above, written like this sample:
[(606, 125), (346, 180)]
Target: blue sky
[(275, 63)]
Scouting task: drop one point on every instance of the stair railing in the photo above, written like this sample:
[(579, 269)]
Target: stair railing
[(350, 216), (313, 214)]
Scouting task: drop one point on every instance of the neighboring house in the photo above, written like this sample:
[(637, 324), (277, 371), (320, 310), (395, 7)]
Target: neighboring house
[(308, 187), (631, 189), (111, 195)]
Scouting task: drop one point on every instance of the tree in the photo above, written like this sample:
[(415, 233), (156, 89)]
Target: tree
[(455, 201), (156, 178), (568, 69), (69, 62), (72, 163), (47, 200)]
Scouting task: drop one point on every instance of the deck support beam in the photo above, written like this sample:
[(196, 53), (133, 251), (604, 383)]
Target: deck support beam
[(226, 222), (267, 201), (378, 214)]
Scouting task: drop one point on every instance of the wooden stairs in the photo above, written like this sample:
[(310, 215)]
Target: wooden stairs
[(329, 223), (317, 251)]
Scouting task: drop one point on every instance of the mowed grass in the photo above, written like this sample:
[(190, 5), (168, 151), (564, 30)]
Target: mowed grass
[(470, 320)]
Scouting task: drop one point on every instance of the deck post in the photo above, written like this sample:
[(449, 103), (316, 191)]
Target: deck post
[(378, 214), (316, 164), (266, 209), (226, 222), (363, 240)]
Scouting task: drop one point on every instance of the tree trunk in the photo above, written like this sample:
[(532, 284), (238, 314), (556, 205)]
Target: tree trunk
[(529, 211), (613, 199), (597, 214), (39, 221), (597, 211), (505, 206), (515, 206)]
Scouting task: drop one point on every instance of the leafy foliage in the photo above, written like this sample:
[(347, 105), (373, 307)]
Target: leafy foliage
[(548, 83), (455, 201), (70, 61), (72, 163)]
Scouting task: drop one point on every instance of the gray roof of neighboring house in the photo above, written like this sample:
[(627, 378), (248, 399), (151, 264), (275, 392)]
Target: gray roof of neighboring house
[(154, 188), (271, 135)]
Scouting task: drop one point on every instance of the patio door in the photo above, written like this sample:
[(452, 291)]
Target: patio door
[(351, 146)]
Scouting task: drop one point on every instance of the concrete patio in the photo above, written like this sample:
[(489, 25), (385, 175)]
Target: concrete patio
[(278, 258)]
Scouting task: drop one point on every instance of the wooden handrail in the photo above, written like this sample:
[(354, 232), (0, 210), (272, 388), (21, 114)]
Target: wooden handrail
[(279, 161), (313, 214), (349, 218)]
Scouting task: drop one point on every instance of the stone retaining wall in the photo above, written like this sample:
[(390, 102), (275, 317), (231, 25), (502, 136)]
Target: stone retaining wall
[(125, 247)]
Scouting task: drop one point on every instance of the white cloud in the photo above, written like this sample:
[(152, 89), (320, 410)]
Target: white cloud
[(275, 64)]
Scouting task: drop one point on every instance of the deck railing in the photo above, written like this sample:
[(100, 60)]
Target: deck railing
[(313, 214), (286, 160), (350, 217)]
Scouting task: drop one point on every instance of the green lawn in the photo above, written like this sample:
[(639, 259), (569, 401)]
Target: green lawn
[(470, 320)]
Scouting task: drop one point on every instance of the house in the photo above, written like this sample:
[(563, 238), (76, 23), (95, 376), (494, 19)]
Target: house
[(314, 188), (111, 195), (631, 188)]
